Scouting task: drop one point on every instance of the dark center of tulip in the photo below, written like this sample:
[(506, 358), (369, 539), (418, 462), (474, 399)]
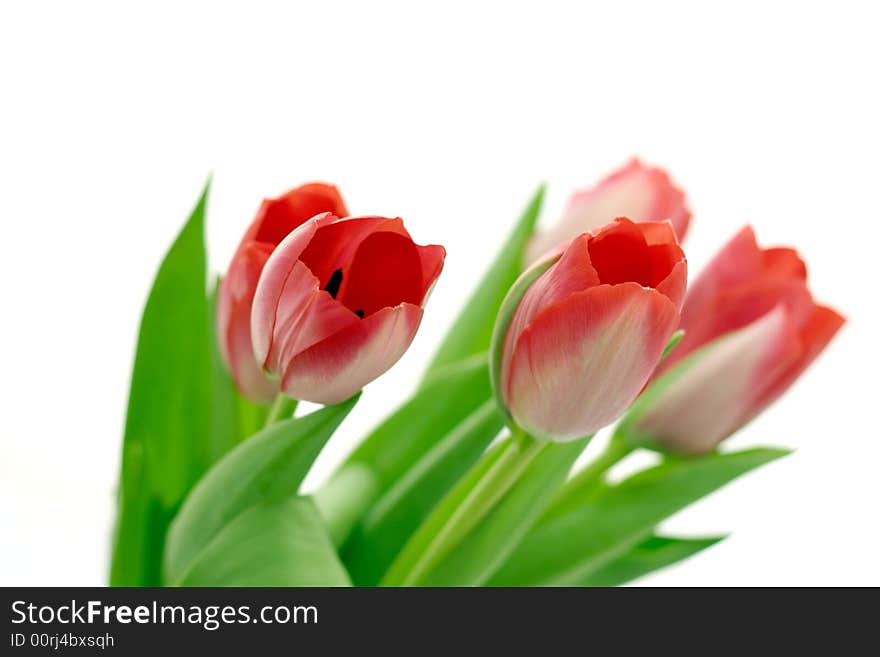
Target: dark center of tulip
[(333, 284)]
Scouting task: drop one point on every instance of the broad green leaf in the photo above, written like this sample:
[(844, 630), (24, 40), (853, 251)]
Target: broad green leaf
[(491, 542), (278, 543), (397, 444), (564, 550), (648, 556), (267, 467), (471, 332), (399, 512), (168, 430)]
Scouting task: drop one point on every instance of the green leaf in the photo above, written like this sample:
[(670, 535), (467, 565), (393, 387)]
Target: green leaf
[(653, 554), (399, 512), (471, 333), (397, 444), (491, 542), (279, 543), (168, 430), (268, 467), (564, 550)]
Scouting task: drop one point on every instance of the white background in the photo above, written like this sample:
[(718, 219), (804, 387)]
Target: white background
[(111, 118)]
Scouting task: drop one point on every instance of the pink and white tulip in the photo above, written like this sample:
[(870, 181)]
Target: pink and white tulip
[(587, 334), (339, 302), (752, 328), (636, 191)]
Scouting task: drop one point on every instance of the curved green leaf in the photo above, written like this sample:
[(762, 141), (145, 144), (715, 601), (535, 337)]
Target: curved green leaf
[(168, 430), (268, 467), (471, 333), (564, 550), (653, 554), (280, 543), (398, 513)]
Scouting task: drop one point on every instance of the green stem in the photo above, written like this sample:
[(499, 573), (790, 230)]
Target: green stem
[(282, 409), (462, 509), (584, 483)]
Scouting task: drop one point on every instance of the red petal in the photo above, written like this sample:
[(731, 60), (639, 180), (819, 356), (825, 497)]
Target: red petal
[(619, 253), (386, 270), (335, 243), (738, 306), (821, 327), (432, 257), (336, 368), (279, 216), (571, 273), (738, 261), (582, 361), (234, 322), (784, 262)]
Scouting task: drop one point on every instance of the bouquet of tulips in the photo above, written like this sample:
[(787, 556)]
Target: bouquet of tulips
[(473, 480)]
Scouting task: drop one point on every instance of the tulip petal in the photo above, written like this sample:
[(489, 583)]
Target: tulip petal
[(736, 307), (336, 242), (305, 315), (739, 261), (814, 337), (340, 365), (271, 283), (385, 270), (234, 322), (572, 273), (277, 217), (636, 191), (784, 262), (717, 393), (432, 257), (582, 361)]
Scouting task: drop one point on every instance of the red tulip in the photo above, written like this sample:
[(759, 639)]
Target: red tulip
[(636, 191), (588, 333), (752, 307), (339, 302), (275, 219)]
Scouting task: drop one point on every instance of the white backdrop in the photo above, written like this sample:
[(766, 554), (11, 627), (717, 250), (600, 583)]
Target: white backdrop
[(111, 118)]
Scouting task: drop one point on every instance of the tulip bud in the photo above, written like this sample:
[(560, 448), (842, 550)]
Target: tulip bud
[(275, 219), (581, 332), (636, 191), (751, 327), (339, 302)]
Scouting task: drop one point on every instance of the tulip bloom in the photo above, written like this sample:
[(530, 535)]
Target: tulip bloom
[(588, 333), (275, 219), (636, 191), (760, 327), (339, 302)]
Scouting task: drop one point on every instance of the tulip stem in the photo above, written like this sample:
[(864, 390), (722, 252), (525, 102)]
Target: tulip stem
[(462, 509), (282, 409), (584, 483)]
